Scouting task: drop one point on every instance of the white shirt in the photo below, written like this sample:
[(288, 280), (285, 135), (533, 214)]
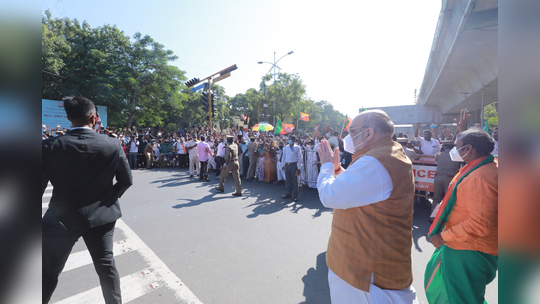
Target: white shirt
[(179, 148), (292, 155), (133, 148), (495, 151), (192, 152), (429, 147), (365, 182), (221, 150)]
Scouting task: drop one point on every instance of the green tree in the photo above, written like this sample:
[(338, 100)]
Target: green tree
[(491, 115), (250, 104), (133, 79), (288, 91), (149, 80)]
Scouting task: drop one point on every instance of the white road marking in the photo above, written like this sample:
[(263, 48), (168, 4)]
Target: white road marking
[(132, 286), (164, 274), (82, 258)]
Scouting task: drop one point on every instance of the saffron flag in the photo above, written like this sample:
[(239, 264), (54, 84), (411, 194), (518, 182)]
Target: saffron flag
[(302, 116), (348, 121), (283, 128)]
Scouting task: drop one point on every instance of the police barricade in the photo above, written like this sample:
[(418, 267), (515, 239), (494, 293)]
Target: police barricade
[(424, 175), (311, 168)]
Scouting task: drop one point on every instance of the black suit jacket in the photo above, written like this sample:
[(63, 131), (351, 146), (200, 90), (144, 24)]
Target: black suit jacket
[(81, 166)]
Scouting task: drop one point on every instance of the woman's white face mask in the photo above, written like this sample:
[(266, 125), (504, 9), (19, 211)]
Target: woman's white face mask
[(348, 143)]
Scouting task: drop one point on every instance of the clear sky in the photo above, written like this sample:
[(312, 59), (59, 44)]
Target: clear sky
[(350, 53)]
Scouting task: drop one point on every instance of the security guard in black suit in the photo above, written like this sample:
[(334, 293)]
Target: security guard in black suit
[(81, 166)]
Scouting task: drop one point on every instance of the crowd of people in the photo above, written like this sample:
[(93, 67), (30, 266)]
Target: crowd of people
[(370, 187), (261, 154)]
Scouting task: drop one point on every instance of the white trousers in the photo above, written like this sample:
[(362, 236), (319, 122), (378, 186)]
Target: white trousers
[(212, 163), (343, 293), (194, 165), (280, 172)]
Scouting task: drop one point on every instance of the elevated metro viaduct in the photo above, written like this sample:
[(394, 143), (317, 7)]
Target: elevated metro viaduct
[(462, 65)]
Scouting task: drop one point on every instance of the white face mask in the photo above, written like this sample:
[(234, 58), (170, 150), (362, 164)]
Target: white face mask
[(454, 154), (348, 143)]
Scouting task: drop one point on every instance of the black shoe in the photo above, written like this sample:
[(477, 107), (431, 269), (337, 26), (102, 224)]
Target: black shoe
[(237, 194), (191, 175), (286, 196), (207, 179), (220, 190)]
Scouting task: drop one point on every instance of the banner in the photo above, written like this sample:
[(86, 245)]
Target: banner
[(287, 128), (424, 177), (302, 116), (283, 128), (53, 114), (425, 160)]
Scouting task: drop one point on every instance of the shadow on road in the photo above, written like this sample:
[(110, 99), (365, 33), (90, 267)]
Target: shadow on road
[(267, 195), (205, 199), (421, 222), (316, 289), (268, 202)]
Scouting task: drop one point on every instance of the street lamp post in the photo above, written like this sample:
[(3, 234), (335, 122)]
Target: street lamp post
[(274, 66)]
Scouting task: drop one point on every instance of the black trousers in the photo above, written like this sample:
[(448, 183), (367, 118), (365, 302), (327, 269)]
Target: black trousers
[(141, 160), (204, 170), (291, 179), (183, 159), (220, 161), (245, 165), (57, 243)]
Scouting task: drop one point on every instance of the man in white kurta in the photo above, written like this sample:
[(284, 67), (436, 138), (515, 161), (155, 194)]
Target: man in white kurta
[(364, 182)]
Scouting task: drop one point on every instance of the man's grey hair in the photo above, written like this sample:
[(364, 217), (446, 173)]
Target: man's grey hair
[(379, 121)]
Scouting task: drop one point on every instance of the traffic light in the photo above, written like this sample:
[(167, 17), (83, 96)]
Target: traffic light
[(205, 101), (192, 82), (229, 70), (214, 110)]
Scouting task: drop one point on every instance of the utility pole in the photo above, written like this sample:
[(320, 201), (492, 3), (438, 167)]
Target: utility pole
[(482, 119), (222, 75), (274, 89), (210, 104)]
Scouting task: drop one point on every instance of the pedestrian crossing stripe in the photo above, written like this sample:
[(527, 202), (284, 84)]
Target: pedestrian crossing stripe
[(165, 275), (137, 284), (82, 258), (132, 286)]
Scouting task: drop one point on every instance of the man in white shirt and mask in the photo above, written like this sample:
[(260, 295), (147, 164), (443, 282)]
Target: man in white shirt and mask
[(292, 165), (369, 251)]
